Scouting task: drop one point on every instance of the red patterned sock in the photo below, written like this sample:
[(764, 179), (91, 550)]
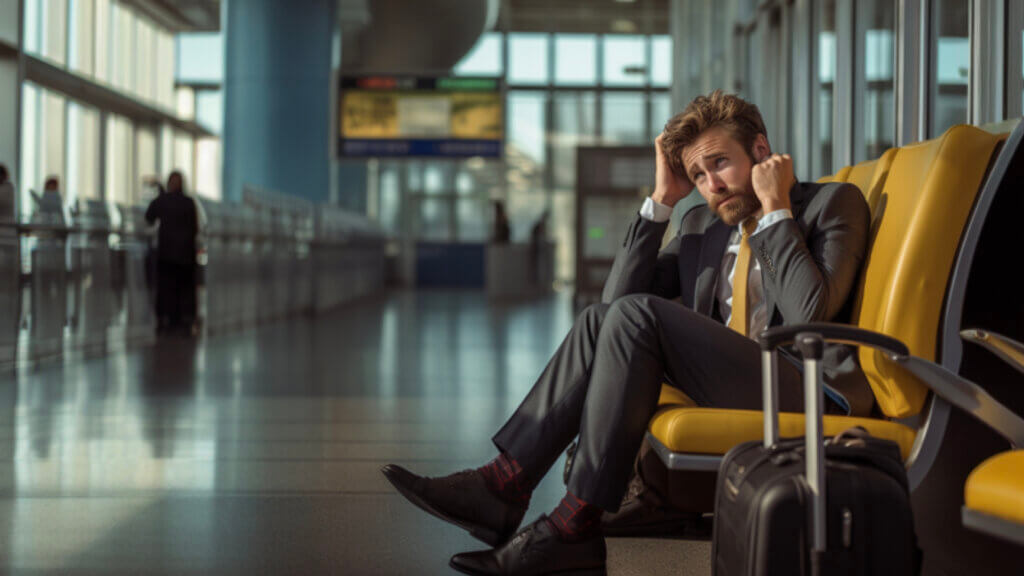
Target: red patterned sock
[(505, 478), (573, 518)]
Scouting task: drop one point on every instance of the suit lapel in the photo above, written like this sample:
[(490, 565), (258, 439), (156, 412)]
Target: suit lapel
[(708, 264)]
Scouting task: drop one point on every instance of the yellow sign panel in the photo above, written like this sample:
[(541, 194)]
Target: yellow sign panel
[(369, 114)]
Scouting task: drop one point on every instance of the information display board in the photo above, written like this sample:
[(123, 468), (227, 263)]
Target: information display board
[(393, 116)]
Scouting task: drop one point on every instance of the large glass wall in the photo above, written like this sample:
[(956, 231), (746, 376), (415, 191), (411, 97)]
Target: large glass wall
[(111, 43), (83, 170), (562, 91), (199, 75), (104, 40), (876, 80), (950, 56), (825, 34)]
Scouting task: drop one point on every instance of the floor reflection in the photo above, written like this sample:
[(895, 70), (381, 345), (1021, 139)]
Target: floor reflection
[(258, 450)]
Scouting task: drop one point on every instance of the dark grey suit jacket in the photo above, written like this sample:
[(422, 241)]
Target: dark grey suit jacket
[(809, 264)]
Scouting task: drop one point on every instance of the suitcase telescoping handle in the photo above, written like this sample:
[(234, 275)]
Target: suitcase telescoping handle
[(811, 346)]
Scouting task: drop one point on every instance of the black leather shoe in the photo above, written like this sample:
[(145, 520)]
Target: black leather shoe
[(537, 550), (644, 513), (462, 499)]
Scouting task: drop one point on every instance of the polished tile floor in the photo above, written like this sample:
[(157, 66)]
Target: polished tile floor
[(257, 452)]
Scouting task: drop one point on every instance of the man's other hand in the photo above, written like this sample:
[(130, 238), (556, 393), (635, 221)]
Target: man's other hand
[(669, 187), (772, 178)]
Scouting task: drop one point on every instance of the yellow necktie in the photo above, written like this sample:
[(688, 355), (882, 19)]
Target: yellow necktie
[(738, 321)]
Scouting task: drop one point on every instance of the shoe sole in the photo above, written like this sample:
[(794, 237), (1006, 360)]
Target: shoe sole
[(481, 533), (580, 572)]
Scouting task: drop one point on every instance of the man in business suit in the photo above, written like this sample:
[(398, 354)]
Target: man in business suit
[(765, 250)]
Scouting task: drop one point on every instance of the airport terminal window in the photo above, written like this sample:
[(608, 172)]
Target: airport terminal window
[(210, 110), (876, 22), (119, 168), (83, 152), (437, 177), (184, 160), (52, 132), (484, 59), (122, 49), (661, 111), (826, 43), (45, 24), (28, 174), (622, 118), (950, 52), (208, 168), (414, 175), (434, 221), (101, 22), (661, 61), (389, 190), (186, 98), (200, 57), (528, 58), (576, 59), (145, 161), (165, 69), (575, 123), (526, 139), (625, 60), (81, 47), (145, 87), (472, 217), (166, 149)]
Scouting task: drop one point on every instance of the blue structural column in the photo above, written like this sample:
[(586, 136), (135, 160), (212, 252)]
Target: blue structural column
[(277, 91)]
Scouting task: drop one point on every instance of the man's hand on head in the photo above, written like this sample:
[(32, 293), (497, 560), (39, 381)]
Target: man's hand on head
[(669, 187), (772, 178)]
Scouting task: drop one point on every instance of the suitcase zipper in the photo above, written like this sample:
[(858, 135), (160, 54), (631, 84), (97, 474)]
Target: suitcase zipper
[(847, 527)]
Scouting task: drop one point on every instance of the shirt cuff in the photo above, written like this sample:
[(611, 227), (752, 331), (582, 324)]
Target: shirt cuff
[(772, 218), (655, 211)]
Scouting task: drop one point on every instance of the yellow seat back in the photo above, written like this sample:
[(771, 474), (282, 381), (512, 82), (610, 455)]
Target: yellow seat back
[(870, 177), (919, 215)]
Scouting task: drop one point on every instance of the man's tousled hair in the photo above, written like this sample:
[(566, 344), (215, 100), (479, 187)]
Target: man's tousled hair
[(741, 118)]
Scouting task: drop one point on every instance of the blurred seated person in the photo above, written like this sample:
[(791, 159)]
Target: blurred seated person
[(49, 205)]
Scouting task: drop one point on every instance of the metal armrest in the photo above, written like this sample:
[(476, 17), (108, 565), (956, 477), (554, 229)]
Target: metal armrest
[(967, 396), (948, 385), (833, 333), (1010, 351)]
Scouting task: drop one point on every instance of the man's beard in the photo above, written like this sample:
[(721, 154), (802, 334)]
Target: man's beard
[(741, 205)]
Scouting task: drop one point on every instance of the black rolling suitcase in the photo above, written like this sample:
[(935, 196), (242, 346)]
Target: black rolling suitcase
[(774, 515)]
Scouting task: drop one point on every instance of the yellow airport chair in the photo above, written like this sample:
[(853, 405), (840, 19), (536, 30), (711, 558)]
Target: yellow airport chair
[(928, 202)]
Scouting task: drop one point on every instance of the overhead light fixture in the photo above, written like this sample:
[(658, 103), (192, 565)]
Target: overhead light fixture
[(623, 26), (625, 1)]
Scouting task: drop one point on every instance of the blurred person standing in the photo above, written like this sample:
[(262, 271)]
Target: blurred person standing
[(7, 193), (176, 256), (502, 230)]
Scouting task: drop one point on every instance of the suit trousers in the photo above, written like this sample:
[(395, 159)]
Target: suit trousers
[(604, 381)]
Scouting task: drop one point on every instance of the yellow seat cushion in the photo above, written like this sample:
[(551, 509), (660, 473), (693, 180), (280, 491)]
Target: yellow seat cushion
[(672, 396), (717, 430), (996, 487)]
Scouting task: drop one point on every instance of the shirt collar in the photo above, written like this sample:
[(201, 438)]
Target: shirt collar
[(756, 216)]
